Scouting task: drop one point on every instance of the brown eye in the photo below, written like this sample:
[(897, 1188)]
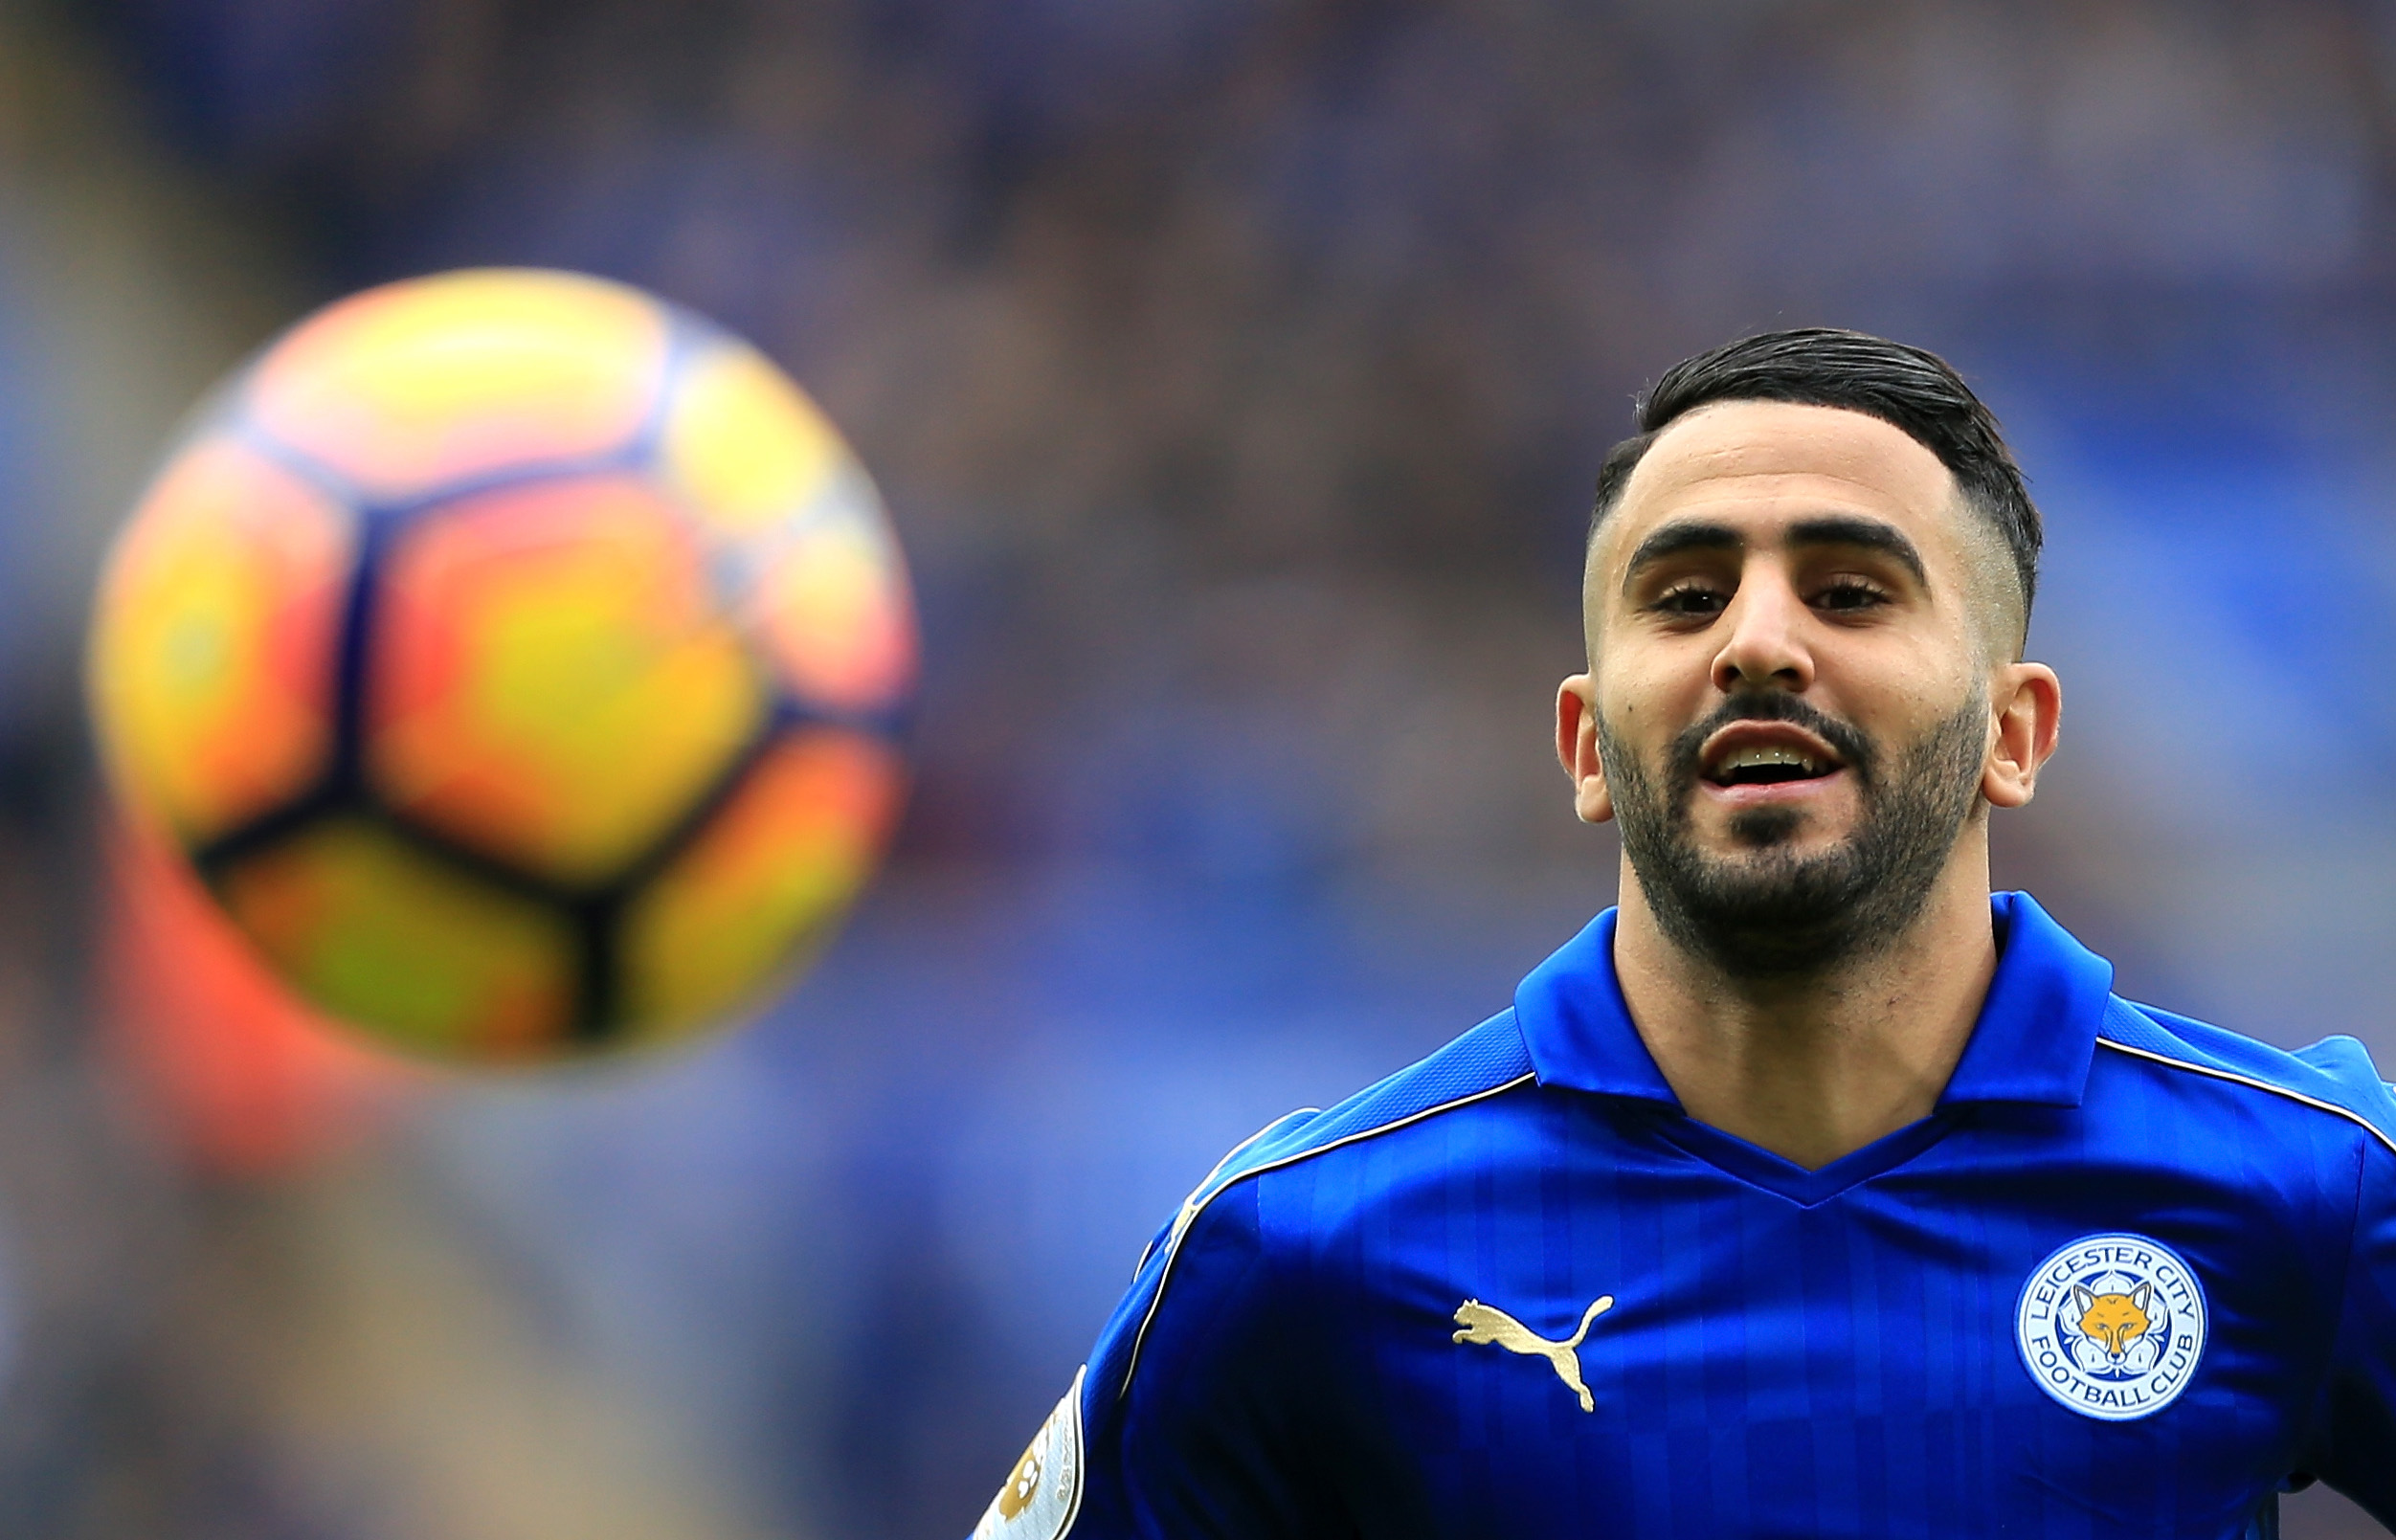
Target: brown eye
[(1691, 599), (1850, 595)]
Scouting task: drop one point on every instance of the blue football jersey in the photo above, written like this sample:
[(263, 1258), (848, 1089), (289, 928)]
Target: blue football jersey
[(2133, 1276)]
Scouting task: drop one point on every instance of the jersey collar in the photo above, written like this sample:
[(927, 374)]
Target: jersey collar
[(2035, 1036)]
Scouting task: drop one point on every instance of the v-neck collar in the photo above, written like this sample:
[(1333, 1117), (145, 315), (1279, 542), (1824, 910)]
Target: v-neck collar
[(2032, 1043)]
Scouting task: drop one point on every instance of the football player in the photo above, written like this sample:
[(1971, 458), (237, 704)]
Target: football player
[(1815, 1190)]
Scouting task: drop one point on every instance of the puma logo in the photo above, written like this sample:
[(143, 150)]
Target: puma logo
[(2113, 1330), (1487, 1323)]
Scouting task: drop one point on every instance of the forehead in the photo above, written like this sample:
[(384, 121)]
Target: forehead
[(1757, 463)]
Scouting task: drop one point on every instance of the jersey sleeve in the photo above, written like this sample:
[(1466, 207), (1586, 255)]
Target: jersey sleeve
[(1191, 1420), (2354, 1443), (1208, 1409)]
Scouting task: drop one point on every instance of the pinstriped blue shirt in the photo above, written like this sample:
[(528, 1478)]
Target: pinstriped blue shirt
[(2132, 1276)]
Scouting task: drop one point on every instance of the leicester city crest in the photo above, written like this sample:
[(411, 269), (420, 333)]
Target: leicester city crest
[(2112, 1326)]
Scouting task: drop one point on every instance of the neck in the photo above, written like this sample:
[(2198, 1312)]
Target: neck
[(1816, 1066)]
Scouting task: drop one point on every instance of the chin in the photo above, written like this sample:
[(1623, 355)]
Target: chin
[(1785, 831), (1768, 844)]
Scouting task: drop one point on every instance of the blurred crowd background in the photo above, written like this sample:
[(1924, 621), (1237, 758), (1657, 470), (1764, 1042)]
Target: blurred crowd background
[(1237, 372)]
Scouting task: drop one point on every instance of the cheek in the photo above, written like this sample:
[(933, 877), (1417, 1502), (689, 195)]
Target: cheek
[(1906, 690), (1647, 683)]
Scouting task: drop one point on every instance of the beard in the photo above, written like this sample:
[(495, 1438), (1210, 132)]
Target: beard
[(1770, 913)]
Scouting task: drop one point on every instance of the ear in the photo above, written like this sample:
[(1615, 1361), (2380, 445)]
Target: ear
[(2140, 1295), (2026, 700), (2082, 1298), (1577, 749)]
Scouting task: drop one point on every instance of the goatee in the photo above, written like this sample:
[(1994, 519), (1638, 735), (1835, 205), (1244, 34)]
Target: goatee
[(1772, 913)]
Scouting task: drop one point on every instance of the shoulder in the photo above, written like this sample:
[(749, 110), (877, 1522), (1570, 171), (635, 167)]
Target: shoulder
[(1220, 1215), (1489, 1059), (2333, 1079), (1473, 1069)]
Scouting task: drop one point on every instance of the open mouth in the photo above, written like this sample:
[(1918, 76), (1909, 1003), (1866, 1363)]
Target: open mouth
[(1768, 767), (1767, 757)]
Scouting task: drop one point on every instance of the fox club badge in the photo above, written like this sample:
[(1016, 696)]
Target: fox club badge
[(1043, 1491), (2112, 1326)]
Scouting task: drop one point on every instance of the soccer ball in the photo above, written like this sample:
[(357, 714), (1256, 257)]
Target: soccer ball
[(519, 660)]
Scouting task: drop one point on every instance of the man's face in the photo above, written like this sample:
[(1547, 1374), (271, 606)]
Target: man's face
[(1789, 613)]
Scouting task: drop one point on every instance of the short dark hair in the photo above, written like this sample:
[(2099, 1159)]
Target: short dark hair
[(1907, 387)]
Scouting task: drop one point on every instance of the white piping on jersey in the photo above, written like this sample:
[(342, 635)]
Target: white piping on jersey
[(1200, 1197), (1235, 1151), (2236, 1079), (1192, 1205)]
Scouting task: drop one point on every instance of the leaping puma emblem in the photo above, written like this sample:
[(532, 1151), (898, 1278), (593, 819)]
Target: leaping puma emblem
[(1487, 1323)]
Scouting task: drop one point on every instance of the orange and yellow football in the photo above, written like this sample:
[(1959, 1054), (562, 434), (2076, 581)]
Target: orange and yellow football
[(519, 660)]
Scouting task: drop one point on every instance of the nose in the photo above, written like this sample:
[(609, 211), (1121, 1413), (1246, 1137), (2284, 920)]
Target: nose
[(1764, 645)]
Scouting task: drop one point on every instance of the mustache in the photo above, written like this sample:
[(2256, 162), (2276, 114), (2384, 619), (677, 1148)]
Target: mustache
[(1686, 754)]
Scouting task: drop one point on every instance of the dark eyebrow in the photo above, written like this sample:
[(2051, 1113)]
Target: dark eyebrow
[(1831, 529), (1689, 534), (1871, 534)]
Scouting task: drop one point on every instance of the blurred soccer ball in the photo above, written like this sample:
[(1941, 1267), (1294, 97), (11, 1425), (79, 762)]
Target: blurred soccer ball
[(518, 658)]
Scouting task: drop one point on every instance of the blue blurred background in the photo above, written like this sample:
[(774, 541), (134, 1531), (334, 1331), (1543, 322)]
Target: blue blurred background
[(1237, 372)]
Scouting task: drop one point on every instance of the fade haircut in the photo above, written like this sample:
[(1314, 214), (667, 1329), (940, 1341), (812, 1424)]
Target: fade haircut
[(1912, 389)]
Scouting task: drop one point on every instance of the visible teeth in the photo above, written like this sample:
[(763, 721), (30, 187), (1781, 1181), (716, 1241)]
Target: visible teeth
[(1751, 758)]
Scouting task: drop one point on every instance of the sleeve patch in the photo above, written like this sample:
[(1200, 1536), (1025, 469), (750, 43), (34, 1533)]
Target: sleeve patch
[(1044, 1492)]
